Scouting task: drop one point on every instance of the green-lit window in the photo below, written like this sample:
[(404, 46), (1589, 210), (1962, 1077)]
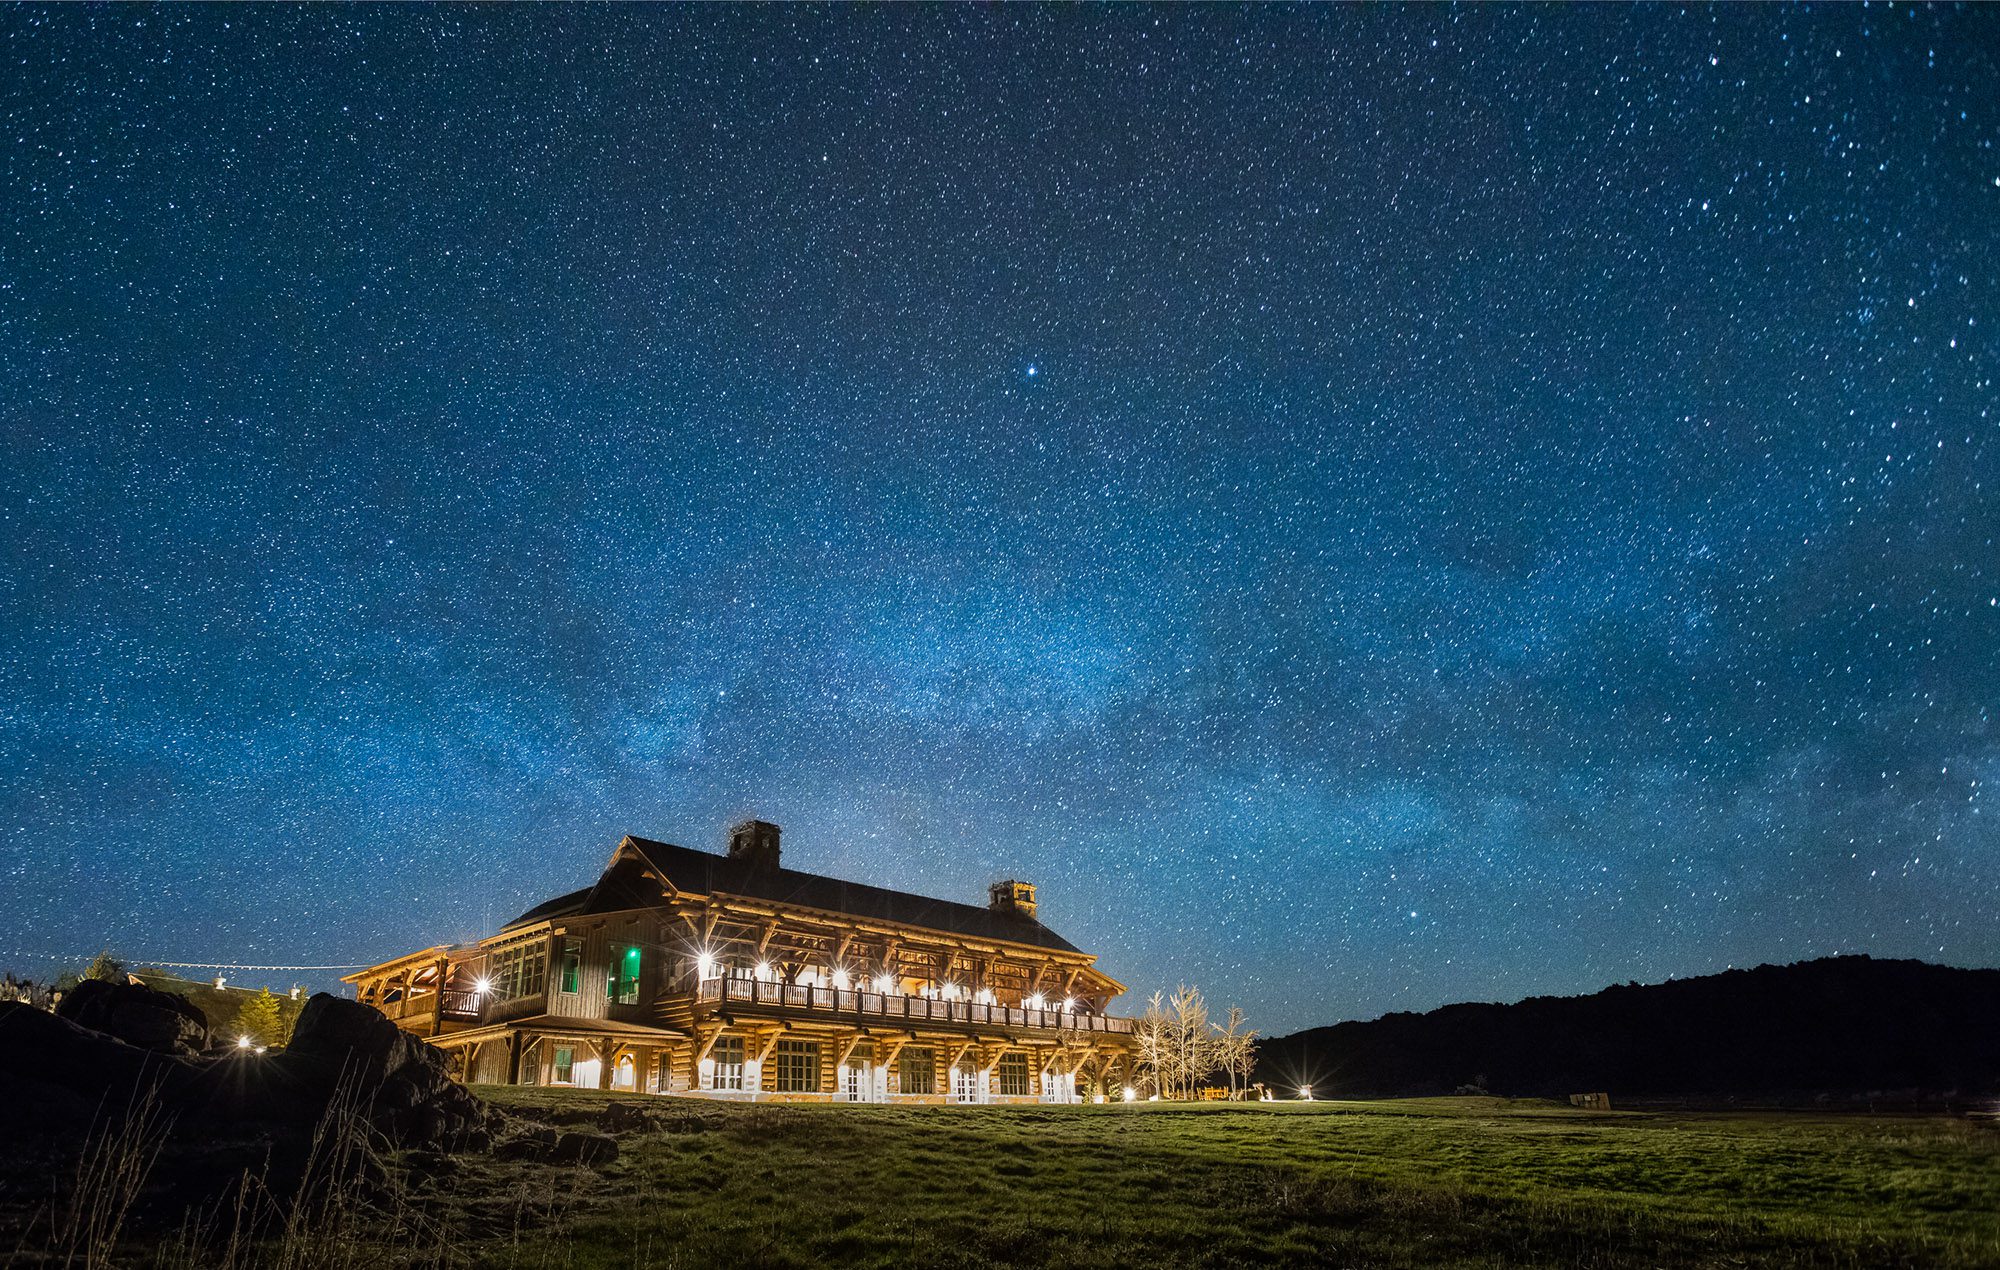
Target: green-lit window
[(919, 1069), (565, 1062), (1013, 1075), (796, 1067), (621, 981), (572, 963)]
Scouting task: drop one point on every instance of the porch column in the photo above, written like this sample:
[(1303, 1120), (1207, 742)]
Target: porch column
[(437, 1016), (513, 1058)]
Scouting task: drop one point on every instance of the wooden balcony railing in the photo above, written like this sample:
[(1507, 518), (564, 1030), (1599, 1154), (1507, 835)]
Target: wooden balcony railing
[(461, 1003), (890, 1005)]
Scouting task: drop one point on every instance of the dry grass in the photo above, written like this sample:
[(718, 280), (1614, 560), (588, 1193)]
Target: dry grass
[(1455, 1182)]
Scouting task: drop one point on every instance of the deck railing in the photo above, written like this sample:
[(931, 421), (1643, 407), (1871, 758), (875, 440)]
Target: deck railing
[(461, 1003), (894, 1005)]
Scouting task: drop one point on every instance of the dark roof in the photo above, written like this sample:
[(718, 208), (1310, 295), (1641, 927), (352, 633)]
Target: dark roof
[(705, 873), (560, 906)]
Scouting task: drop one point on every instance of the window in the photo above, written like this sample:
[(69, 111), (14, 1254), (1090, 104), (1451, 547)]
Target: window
[(517, 971), (621, 981), (1013, 1076), (919, 1070), (726, 1059), (565, 1063), (797, 1067), (572, 964)]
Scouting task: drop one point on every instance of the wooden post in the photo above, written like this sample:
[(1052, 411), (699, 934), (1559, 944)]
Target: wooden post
[(513, 1058)]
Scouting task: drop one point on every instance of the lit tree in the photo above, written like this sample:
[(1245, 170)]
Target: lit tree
[(1178, 1047), (262, 1019), (106, 967), (1238, 1046)]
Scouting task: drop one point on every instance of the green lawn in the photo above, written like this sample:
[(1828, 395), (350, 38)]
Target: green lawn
[(1462, 1181)]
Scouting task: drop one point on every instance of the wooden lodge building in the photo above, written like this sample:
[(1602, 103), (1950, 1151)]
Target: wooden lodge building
[(730, 976)]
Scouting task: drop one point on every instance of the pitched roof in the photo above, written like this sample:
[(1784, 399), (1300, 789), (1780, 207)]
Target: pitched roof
[(560, 906), (705, 873)]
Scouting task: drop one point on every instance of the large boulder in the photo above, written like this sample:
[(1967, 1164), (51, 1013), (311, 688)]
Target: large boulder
[(57, 1071), (398, 1084), (138, 1015)]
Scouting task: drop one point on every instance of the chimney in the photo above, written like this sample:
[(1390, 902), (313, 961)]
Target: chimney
[(1012, 897), (755, 841)]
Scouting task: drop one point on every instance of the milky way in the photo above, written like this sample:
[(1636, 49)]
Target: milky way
[(1366, 507)]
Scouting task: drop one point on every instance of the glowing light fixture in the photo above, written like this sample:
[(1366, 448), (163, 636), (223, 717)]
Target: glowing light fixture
[(1068, 1004), (482, 985), (243, 1042), (840, 979), (1036, 1002), (885, 983), (764, 971), (1306, 1092), (704, 964), (1131, 1094)]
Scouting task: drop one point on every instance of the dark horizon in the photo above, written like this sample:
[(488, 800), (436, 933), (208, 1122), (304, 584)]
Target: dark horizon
[(1365, 507)]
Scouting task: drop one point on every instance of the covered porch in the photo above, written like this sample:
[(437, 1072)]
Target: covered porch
[(547, 1049)]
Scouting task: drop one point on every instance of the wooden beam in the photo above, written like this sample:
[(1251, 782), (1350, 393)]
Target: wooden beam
[(846, 1052), (767, 1043), (889, 1048)]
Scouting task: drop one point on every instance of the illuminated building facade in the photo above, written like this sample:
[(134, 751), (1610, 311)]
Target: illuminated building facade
[(731, 976)]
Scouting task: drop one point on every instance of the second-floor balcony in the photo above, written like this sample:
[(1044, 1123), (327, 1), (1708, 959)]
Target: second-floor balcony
[(894, 1007)]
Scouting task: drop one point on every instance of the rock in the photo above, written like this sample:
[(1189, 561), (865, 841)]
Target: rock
[(163, 1022), (623, 1117), (401, 1086), (590, 1149), (37, 1047), (242, 1119), (535, 1144)]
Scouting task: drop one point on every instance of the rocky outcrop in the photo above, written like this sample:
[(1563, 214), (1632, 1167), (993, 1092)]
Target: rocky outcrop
[(350, 1086), (347, 1052), (138, 1015)]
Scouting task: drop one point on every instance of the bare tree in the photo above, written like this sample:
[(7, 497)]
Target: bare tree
[(1179, 1047), (1238, 1051)]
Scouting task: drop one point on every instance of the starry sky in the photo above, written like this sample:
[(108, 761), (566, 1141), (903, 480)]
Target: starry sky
[(1365, 507)]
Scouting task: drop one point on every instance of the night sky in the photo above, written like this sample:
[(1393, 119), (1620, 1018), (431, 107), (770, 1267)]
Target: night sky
[(1366, 507)]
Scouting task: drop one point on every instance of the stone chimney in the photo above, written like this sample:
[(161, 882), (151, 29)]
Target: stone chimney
[(755, 841), (1012, 897)]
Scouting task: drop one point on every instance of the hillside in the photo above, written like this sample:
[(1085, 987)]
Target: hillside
[(1839, 1027)]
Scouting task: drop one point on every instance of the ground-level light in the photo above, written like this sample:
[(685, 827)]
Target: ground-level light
[(1131, 1094), (243, 1042)]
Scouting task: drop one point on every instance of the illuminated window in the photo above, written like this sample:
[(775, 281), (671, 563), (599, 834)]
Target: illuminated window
[(727, 1057), (621, 979), (1013, 1076), (517, 971), (572, 964), (919, 1069), (565, 1064), (796, 1067)]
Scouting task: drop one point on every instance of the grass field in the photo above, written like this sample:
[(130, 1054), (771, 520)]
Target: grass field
[(1431, 1182)]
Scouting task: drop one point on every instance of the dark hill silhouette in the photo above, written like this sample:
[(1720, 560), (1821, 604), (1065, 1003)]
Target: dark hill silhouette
[(1838, 1028)]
